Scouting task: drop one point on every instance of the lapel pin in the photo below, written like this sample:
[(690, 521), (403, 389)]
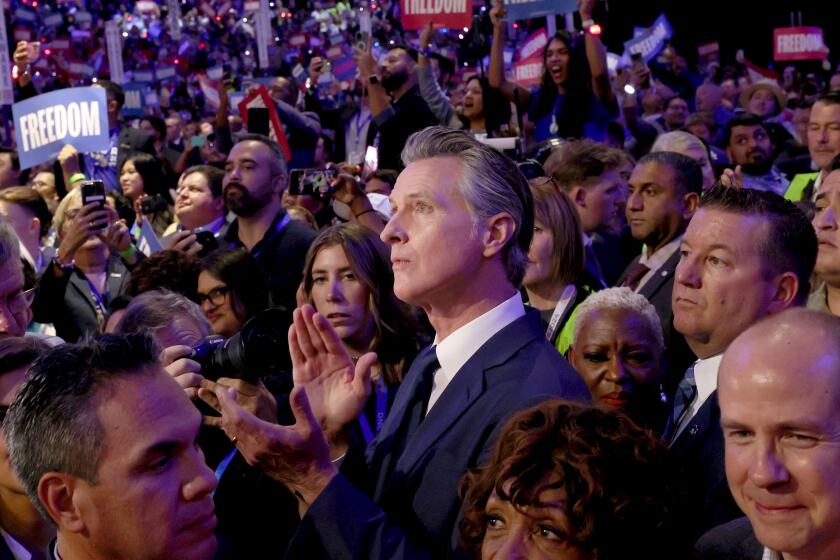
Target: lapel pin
[(693, 430)]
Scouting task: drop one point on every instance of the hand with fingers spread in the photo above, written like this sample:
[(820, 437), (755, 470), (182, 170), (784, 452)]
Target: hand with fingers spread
[(337, 388), (297, 455), (256, 399), (187, 372)]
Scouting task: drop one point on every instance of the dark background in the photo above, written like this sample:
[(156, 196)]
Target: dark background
[(735, 24)]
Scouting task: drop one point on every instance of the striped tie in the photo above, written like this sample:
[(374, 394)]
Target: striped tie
[(686, 391)]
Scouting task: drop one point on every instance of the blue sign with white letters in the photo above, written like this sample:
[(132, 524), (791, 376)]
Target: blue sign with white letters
[(649, 43), (527, 9), (45, 123)]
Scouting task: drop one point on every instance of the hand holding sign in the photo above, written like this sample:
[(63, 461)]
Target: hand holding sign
[(585, 8), (426, 36), (497, 14)]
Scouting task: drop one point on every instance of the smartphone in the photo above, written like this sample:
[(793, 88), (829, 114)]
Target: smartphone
[(325, 67), (258, 120), (152, 204), (371, 161), (198, 140), (94, 191), (33, 51), (208, 242), (362, 42), (312, 182)]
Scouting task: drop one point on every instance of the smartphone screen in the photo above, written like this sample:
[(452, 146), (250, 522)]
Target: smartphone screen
[(94, 191), (198, 140), (371, 161)]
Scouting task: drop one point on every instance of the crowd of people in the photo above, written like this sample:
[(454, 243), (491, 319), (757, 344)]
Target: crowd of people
[(436, 314)]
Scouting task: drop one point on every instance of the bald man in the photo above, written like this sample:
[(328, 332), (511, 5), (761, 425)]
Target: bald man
[(779, 393)]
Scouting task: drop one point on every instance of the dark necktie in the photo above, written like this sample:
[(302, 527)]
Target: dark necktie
[(426, 365), (635, 275), (686, 391)]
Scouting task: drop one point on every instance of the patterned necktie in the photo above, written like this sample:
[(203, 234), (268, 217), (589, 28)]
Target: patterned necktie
[(427, 364), (686, 391), (635, 275)]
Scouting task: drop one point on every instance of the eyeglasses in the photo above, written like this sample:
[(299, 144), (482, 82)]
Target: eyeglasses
[(216, 296), (20, 302)]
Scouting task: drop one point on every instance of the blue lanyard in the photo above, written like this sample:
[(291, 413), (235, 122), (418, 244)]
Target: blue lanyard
[(269, 238), (97, 299), (381, 411), (223, 465)]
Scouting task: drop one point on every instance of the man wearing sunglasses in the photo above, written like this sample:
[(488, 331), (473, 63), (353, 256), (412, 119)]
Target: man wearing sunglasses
[(15, 300)]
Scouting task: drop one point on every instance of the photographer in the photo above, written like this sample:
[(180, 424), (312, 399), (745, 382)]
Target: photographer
[(256, 514), (90, 268)]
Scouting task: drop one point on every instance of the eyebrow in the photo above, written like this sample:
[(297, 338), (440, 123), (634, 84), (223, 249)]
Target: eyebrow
[(325, 271)]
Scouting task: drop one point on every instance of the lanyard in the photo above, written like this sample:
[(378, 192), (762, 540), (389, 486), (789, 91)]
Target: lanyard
[(98, 302), (381, 411), (560, 311), (359, 126), (223, 465), (272, 236)]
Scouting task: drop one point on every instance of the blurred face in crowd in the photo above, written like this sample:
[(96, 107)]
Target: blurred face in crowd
[(540, 256), (195, 204), (763, 103), (396, 68), (701, 130), (721, 283), (205, 128), (174, 126), (617, 356), (377, 185), (701, 155), (675, 113), (729, 89), (473, 101), (834, 83), (824, 133), (146, 126), (10, 383), (557, 59), (657, 209), (749, 145), (707, 98), (219, 305), (801, 116), (131, 182), (15, 313), (428, 214), (248, 183), (44, 183), (782, 439), (282, 89), (600, 203), (25, 223), (153, 496), (826, 222), (340, 296), (536, 532), (9, 176)]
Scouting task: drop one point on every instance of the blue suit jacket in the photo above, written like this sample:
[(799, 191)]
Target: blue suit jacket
[(411, 508)]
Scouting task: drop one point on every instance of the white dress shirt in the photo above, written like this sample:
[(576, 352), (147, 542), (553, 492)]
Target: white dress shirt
[(457, 348), (705, 376), (17, 549), (655, 261)]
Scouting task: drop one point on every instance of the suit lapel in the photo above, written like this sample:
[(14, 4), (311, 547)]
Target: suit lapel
[(80, 284), (661, 276), (468, 385), (698, 425), (623, 276)]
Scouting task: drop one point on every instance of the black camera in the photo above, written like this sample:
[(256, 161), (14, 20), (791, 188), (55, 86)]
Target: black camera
[(317, 183), (261, 348), (152, 204)]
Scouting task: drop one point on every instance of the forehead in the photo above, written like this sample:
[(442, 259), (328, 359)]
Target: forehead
[(609, 323), (434, 177), (183, 329), (741, 234), (11, 277), (195, 180), (748, 129), (677, 102), (557, 45), (762, 93), (249, 149), (825, 113), (831, 184), (331, 256), (652, 172)]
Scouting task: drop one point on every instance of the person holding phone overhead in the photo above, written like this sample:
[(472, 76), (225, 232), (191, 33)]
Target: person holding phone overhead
[(574, 98), (406, 112), (90, 268)]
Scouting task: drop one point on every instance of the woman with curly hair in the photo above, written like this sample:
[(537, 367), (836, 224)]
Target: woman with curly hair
[(347, 277), (567, 481)]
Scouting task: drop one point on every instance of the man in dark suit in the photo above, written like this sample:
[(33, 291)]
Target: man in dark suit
[(459, 237), (664, 194), (255, 176), (746, 254), (782, 442)]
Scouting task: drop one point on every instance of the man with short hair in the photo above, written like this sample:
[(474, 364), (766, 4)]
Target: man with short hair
[(104, 441), (302, 129), (676, 111), (15, 301), (199, 206), (779, 386), (826, 221), (396, 105), (255, 176), (10, 173), (823, 145), (746, 254), (589, 173), (749, 146), (28, 214), (490, 358), (665, 191)]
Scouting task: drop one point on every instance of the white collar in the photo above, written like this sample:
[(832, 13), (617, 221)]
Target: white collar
[(454, 351), (705, 378), (659, 258), (18, 551)]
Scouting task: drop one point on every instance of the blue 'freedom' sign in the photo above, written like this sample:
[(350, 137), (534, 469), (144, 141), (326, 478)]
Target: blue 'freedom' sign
[(527, 9), (45, 123)]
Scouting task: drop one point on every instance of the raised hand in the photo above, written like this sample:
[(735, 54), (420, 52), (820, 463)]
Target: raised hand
[(497, 14), (732, 179), (337, 388)]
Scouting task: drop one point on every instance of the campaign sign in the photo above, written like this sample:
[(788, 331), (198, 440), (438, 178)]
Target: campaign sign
[(261, 99), (528, 9), (651, 42), (799, 43), (135, 103), (448, 14), (528, 73), (344, 69), (533, 44), (45, 123)]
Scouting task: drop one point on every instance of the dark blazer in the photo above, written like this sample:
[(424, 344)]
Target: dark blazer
[(412, 506), (732, 541), (658, 292), (66, 301), (699, 451)]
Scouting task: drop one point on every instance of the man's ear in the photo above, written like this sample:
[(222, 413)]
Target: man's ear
[(35, 224), (498, 231), (578, 196), (279, 184), (729, 153), (787, 287), (691, 201), (58, 494)]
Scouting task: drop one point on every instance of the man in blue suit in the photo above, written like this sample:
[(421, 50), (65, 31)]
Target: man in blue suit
[(459, 237)]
